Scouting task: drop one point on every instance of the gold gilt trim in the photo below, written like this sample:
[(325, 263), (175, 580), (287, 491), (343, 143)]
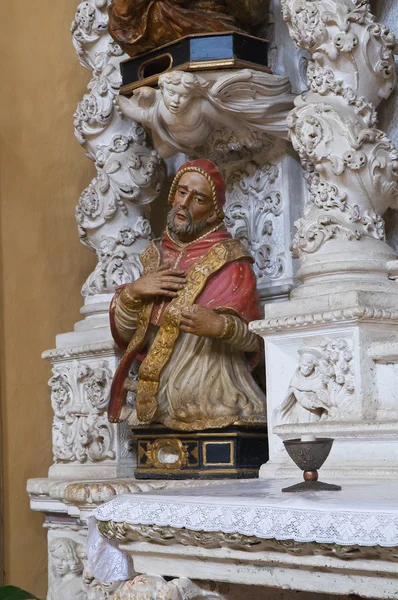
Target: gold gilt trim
[(150, 260), (192, 436), (223, 464), (159, 354), (154, 448), (204, 65), (201, 473)]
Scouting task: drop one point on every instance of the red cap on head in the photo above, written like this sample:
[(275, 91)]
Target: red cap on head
[(209, 170)]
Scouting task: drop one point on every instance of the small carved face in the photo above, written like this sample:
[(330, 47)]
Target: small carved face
[(60, 562), (193, 195), (176, 97), (307, 364)]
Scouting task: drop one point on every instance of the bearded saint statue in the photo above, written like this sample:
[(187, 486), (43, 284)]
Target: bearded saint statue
[(186, 318), (140, 26)]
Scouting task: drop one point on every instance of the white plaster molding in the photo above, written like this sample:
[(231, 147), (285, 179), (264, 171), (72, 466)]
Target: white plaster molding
[(79, 398), (323, 385), (88, 350), (256, 571), (111, 210)]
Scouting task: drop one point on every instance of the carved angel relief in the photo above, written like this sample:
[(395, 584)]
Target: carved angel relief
[(186, 108)]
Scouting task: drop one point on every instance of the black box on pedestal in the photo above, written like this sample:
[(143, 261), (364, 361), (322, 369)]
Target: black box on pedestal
[(195, 53), (230, 453)]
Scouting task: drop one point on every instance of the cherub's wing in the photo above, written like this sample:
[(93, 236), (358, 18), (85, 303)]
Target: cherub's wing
[(259, 99)]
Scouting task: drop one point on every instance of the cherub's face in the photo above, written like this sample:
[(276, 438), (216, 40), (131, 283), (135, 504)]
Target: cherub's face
[(176, 97), (60, 562)]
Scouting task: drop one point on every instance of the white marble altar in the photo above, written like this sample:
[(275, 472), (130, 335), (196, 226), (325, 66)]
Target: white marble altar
[(277, 539)]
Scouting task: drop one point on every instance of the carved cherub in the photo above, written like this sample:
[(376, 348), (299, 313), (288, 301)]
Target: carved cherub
[(186, 108), (67, 567)]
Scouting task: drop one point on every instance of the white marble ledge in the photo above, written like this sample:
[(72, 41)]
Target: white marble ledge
[(363, 513), (78, 497)]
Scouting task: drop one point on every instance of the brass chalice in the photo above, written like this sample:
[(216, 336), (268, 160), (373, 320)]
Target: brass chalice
[(310, 456)]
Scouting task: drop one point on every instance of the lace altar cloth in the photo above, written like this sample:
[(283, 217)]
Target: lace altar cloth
[(361, 514)]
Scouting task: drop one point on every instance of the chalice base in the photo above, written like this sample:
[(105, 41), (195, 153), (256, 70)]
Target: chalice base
[(312, 486)]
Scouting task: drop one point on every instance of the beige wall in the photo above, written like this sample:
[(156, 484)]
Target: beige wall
[(43, 170)]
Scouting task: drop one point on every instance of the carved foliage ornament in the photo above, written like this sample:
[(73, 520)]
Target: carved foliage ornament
[(353, 166), (79, 397), (253, 215), (129, 174), (90, 33)]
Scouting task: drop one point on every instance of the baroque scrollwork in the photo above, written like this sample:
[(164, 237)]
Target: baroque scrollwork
[(90, 32), (129, 176), (352, 166), (224, 146), (79, 397), (253, 215), (111, 214), (96, 110)]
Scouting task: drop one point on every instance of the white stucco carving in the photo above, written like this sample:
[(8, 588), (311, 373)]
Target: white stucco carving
[(322, 386), (66, 568), (351, 166), (79, 397), (252, 215), (188, 108), (154, 587), (111, 211)]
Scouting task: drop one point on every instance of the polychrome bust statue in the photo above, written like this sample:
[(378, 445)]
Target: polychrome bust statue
[(186, 318)]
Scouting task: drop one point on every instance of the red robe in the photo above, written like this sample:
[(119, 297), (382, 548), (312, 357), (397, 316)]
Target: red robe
[(232, 289)]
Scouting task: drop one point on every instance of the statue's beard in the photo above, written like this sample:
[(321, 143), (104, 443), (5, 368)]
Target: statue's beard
[(189, 229)]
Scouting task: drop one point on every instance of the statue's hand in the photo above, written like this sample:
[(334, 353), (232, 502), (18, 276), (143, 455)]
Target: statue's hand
[(164, 281), (202, 321)]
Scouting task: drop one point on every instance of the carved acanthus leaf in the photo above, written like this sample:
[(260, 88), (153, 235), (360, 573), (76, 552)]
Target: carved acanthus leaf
[(254, 215), (79, 397)]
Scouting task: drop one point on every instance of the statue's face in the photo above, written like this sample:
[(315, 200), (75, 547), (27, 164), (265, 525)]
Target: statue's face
[(60, 562), (193, 196), (307, 364), (176, 97)]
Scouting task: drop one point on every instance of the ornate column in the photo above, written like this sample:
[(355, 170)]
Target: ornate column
[(112, 218), (332, 339), (351, 166)]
